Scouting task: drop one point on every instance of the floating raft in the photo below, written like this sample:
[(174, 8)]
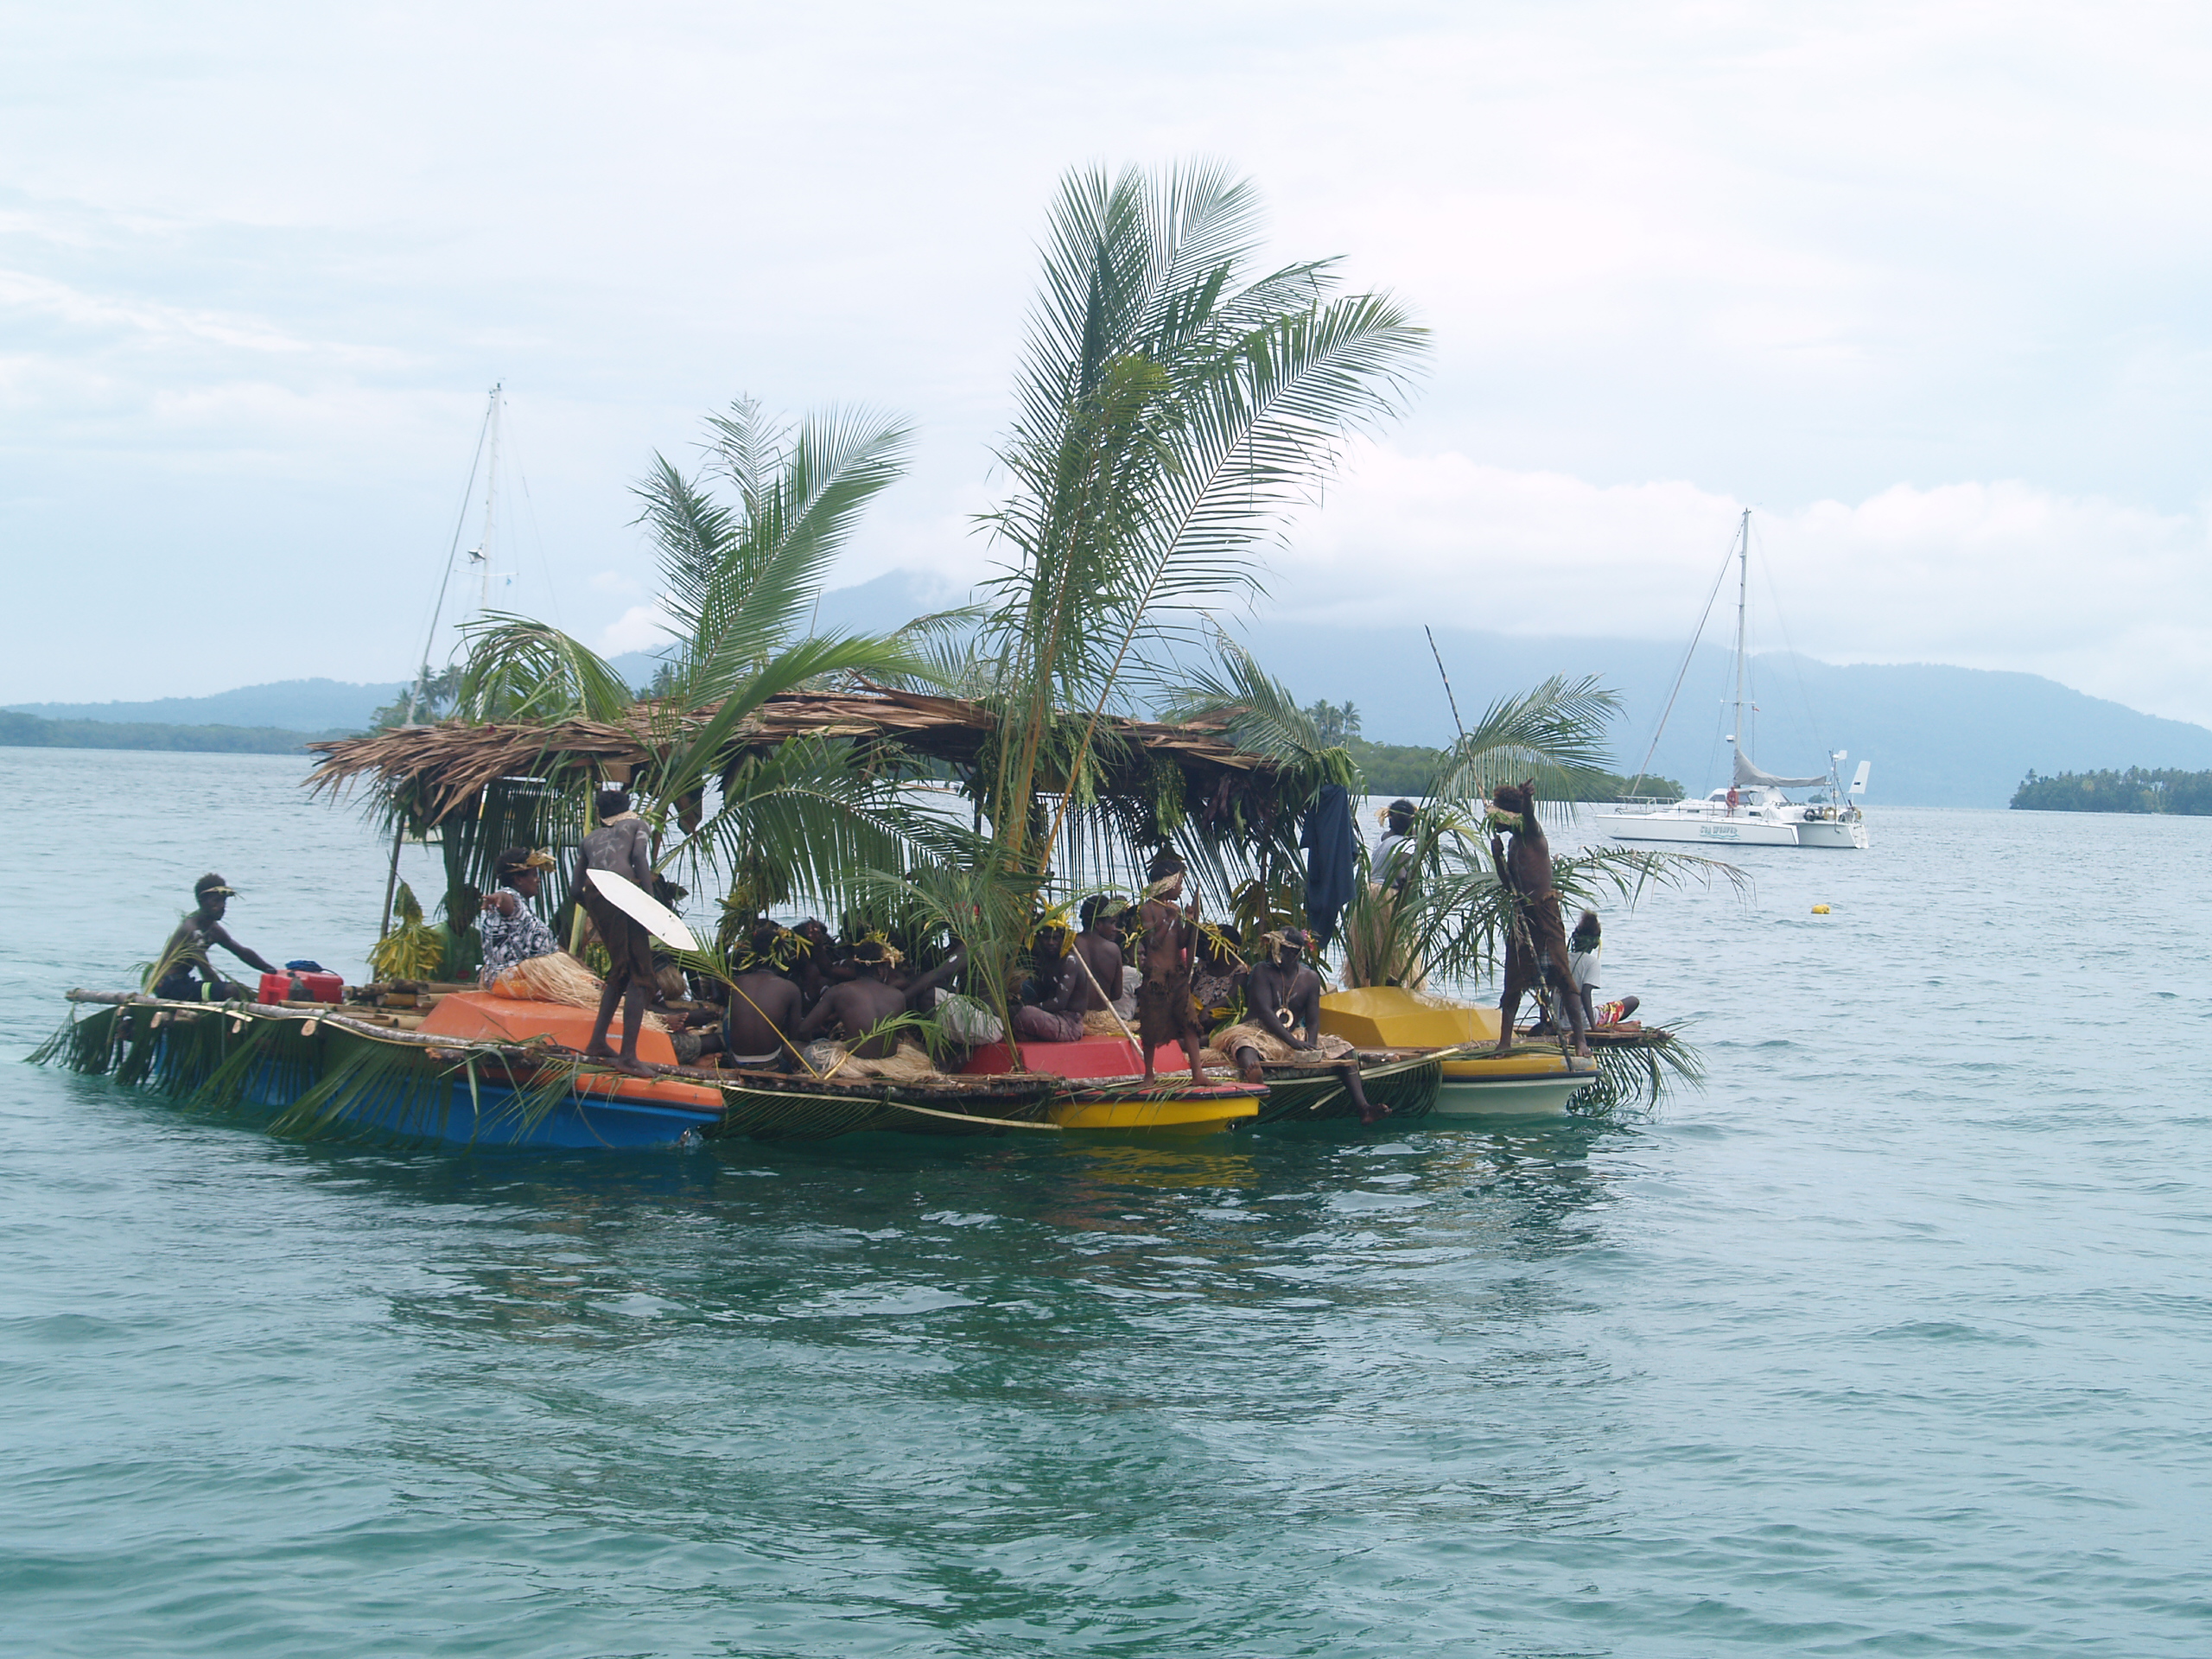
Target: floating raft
[(1473, 1079), (483, 1071), (1406, 1083)]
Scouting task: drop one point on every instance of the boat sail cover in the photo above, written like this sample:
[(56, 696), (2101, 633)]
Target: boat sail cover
[(1748, 774)]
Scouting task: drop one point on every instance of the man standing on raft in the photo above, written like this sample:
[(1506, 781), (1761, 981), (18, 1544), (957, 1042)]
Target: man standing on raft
[(619, 845), (1166, 1011), (1535, 931)]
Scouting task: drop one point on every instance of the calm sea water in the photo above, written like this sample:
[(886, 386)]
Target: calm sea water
[(1895, 1340)]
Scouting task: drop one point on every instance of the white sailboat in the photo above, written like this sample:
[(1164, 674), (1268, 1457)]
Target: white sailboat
[(1753, 811)]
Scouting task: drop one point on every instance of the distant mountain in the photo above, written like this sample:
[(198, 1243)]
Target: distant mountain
[(1938, 736), (293, 705)]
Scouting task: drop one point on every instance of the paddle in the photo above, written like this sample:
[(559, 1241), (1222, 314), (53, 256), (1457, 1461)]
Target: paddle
[(643, 908)]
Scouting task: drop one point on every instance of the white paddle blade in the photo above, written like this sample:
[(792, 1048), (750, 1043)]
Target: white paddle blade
[(643, 908)]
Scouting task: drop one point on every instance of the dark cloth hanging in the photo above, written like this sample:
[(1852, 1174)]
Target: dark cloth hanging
[(1330, 838)]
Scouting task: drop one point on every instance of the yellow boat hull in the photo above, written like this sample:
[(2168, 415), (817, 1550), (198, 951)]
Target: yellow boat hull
[(1389, 1016), (1533, 1080), (1201, 1115)]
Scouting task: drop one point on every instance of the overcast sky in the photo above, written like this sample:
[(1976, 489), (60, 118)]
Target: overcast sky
[(1924, 285)]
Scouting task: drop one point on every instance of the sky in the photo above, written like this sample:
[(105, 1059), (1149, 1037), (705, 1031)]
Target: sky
[(1923, 285)]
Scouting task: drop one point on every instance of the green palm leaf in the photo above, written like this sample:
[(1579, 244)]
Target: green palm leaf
[(1169, 410), (1555, 733), (519, 669)]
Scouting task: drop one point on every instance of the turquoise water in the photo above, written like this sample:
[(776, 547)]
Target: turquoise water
[(1895, 1340)]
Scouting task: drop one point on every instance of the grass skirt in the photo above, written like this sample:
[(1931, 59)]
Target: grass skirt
[(1273, 1050)]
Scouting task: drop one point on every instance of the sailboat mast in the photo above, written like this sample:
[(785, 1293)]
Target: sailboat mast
[(491, 495), (422, 685), (1743, 586)]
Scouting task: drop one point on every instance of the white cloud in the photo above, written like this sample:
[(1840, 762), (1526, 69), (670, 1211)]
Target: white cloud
[(2102, 596), (259, 264), (642, 627)]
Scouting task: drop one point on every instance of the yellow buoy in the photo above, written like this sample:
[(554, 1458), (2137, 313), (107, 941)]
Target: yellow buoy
[(1820, 910)]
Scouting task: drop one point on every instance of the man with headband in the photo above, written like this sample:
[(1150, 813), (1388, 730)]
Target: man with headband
[(184, 963), (853, 1008), (765, 1004)]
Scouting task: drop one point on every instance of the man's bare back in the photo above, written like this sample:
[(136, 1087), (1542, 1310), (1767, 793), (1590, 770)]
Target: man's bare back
[(853, 1008)]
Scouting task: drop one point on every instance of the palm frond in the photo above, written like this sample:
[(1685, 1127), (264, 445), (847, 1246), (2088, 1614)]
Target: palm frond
[(519, 669), (1555, 732), (1261, 716), (693, 535), (749, 448), (695, 754)]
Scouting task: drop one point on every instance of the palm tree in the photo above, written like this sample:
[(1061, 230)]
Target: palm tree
[(743, 546), (1171, 405)]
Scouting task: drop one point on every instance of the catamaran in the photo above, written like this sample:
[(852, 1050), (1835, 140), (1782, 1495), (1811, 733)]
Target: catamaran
[(1753, 811)]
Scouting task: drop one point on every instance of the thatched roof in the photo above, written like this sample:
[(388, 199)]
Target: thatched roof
[(446, 765)]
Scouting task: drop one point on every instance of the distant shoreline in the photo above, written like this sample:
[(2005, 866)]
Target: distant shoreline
[(31, 732), (2149, 791)]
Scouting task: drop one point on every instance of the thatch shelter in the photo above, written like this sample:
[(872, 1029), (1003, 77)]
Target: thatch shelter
[(435, 770)]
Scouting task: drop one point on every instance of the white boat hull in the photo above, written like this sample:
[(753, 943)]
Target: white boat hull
[(1698, 829), (1512, 1098)]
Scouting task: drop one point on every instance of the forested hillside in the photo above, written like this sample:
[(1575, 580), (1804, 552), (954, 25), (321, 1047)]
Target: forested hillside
[(2139, 789)]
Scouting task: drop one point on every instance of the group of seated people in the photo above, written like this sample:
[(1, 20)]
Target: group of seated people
[(802, 999), (795, 988)]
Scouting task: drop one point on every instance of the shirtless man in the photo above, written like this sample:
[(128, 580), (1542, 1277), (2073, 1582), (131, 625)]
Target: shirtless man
[(186, 954), (1166, 1013), (1099, 945), (1280, 983), (1535, 936), (619, 844), (856, 1007), (1075, 1003), (764, 1007), (1054, 997)]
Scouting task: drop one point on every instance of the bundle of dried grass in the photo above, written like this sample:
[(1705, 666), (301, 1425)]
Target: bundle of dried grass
[(909, 1064), (558, 977)]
